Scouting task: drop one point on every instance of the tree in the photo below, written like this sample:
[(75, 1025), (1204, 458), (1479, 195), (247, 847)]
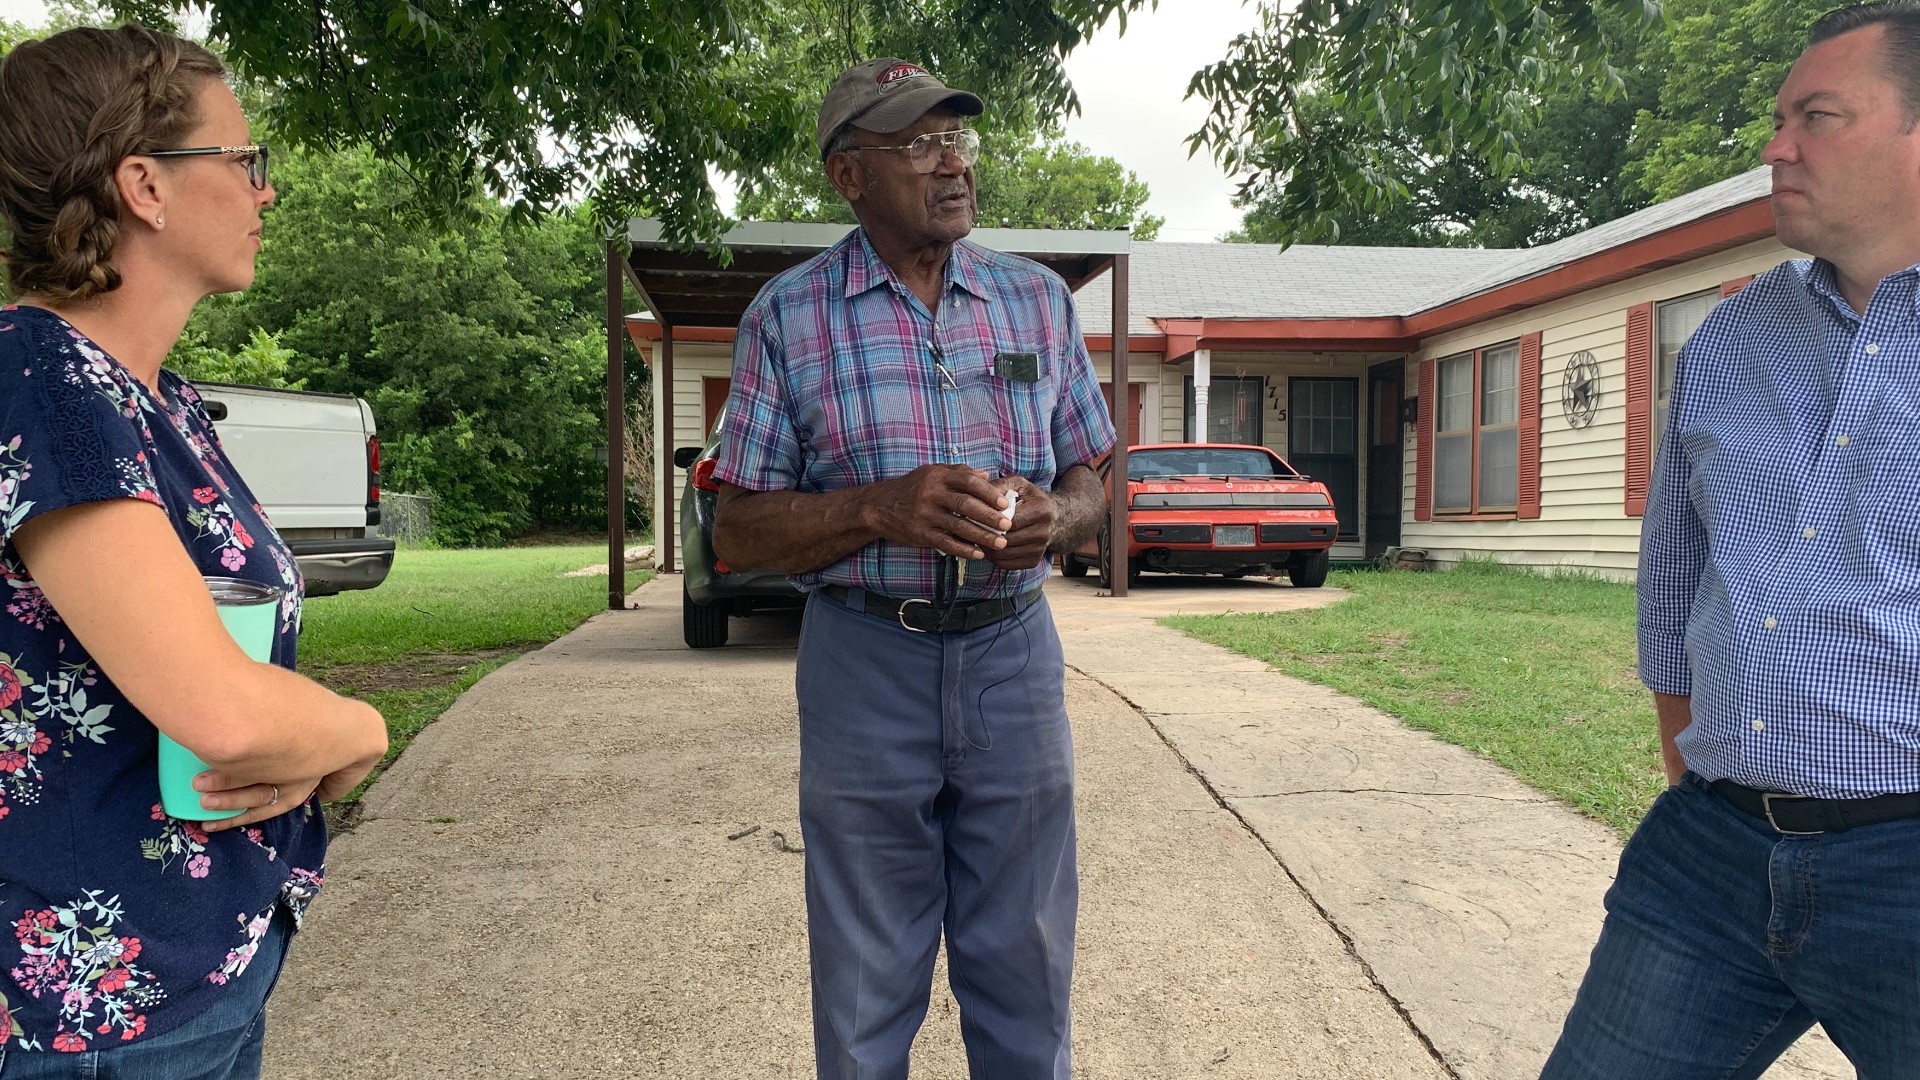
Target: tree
[(1721, 65), (1575, 141), (630, 100), (476, 340), (1023, 182), (1428, 78)]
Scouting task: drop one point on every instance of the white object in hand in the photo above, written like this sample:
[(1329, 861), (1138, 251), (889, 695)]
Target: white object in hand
[(1013, 500)]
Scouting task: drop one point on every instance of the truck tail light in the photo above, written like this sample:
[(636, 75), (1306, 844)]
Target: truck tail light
[(703, 474), (373, 480)]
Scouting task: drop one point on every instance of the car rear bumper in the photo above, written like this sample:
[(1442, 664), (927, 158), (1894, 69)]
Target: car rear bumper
[(333, 566), (711, 587)]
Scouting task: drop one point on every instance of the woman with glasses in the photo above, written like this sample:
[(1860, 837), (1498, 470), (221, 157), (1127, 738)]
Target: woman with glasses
[(142, 944)]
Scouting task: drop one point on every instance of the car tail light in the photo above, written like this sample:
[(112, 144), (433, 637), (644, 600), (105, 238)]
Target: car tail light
[(703, 474), (373, 480)]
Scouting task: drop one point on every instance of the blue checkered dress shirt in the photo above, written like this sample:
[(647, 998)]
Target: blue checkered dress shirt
[(1780, 555)]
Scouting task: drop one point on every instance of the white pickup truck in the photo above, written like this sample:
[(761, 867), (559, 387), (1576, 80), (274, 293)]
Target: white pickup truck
[(313, 461)]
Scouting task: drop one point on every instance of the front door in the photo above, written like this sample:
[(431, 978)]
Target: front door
[(1323, 421), (1385, 455)]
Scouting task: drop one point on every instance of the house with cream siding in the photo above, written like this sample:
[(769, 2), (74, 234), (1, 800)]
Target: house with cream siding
[(1460, 401)]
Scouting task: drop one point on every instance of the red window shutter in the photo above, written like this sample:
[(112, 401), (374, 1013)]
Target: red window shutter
[(1423, 446), (1728, 288), (1529, 482), (1639, 406)]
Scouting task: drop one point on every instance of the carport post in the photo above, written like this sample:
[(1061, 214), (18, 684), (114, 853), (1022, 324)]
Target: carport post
[(616, 430), (1122, 414), (663, 511)]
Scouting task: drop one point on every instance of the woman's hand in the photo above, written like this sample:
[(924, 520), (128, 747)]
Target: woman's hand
[(223, 791)]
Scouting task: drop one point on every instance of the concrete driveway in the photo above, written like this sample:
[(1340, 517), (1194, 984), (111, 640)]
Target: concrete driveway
[(591, 867)]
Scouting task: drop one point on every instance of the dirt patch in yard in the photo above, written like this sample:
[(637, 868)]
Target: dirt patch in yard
[(416, 672)]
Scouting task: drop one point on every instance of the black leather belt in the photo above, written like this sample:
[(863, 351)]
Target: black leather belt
[(1798, 815), (920, 615)]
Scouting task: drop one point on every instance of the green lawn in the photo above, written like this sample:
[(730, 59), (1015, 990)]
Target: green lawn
[(443, 619), (1533, 672)]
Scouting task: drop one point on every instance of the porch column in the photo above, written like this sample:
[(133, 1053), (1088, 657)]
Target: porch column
[(1122, 413), (1202, 378), (663, 443), (616, 431)]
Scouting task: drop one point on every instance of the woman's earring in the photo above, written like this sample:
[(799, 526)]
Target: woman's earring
[(159, 222)]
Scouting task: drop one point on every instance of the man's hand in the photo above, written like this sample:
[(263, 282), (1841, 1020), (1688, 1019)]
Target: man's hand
[(1026, 542), (950, 508)]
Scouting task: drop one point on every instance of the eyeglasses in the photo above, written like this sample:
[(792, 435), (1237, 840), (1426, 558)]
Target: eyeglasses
[(253, 157), (927, 152)]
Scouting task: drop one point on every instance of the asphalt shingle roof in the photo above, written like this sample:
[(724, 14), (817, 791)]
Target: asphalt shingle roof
[(1264, 281)]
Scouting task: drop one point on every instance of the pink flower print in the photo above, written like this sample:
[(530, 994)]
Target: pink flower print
[(114, 979), (256, 835), (69, 1043), (148, 496), (129, 949), (241, 534), (232, 559), (9, 685), (138, 1027), (199, 865), (159, 812), (42, 742), (195, 833), (204, 495), (12, 761)]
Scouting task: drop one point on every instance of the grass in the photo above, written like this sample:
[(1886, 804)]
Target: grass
[(443, 619), (1533, 672)]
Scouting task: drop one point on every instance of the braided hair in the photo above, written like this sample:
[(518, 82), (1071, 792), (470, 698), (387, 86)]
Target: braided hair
[(71, 108)]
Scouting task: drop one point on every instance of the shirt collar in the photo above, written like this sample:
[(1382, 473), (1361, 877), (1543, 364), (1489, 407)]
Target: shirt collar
[(867, 270), (1823, 282)]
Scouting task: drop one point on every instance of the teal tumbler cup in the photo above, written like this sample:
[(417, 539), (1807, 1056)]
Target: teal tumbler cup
[(251, 613)]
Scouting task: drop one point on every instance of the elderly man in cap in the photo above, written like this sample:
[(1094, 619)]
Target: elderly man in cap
[(909, 433)]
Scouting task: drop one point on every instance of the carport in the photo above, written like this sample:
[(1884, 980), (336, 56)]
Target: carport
[(701, 296)]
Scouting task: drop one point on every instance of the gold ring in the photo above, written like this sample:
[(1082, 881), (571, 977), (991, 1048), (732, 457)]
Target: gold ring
[(276, 795)]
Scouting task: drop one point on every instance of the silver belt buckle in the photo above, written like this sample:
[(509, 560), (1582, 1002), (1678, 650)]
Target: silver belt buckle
[(902, 613), (1766, 804)]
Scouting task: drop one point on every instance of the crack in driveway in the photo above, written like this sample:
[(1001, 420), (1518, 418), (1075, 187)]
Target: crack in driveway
[(1326, 916)]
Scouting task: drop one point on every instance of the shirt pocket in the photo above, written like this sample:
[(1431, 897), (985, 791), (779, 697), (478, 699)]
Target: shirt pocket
[(1010, 422)]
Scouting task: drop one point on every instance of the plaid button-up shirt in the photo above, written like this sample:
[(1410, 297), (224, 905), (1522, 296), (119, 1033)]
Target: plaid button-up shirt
[(842, 377), (1780, 556)]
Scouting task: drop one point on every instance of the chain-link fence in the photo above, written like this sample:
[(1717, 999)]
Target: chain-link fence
[(406, 518)]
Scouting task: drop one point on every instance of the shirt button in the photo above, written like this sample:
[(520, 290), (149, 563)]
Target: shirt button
[(1842, 441), (1770, 622), (1808, 533), (1759, 725), (956, 301), (1873, 350)]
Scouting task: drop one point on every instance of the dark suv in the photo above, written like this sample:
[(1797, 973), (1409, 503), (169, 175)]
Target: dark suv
[(711, 592)]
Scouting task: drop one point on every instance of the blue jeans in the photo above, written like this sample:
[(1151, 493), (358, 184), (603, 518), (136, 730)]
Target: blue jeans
[(936, 792), (223, 1043), (1726, 940)]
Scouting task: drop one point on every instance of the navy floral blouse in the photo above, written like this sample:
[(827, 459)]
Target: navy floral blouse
[(124, 922)]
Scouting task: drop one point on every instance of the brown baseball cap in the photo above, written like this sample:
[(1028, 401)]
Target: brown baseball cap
[(887, 94)]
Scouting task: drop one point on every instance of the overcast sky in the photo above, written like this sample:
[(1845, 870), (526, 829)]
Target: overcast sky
[(1130, 94)]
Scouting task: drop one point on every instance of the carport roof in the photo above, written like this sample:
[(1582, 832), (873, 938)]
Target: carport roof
[(691, 288)]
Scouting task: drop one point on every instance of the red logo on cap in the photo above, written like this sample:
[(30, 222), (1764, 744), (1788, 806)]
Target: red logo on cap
[(900, 73)]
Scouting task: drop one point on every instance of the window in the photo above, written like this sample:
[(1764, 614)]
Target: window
[(1476, 454), (1233, 409), (1677, 320)]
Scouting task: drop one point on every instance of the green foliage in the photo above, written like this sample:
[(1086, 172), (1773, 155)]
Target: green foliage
[(477, 341), (1722, 63), (262, 361), (629, 100), (1023, 182), (1575, 144), (1401, 82)]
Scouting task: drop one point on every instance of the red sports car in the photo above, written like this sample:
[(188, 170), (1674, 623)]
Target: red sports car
[(1217, 508)]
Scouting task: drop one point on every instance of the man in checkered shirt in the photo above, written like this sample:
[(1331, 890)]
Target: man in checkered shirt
[(888, 396), (1777, 882)]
